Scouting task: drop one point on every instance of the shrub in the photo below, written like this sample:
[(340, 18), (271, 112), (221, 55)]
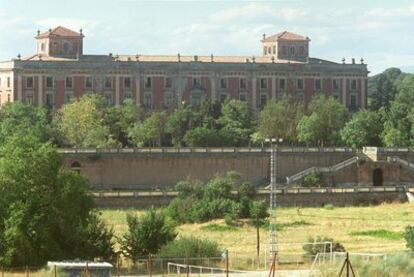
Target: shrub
[(185, 247), (329, 206), (380, 233), (409, 237), (218, 228), (312, 179)]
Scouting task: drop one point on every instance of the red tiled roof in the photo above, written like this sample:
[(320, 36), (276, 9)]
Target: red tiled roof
[(60, 31), (284, 36)]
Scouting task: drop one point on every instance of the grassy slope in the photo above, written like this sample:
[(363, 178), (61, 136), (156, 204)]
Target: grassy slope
[(338, 223)]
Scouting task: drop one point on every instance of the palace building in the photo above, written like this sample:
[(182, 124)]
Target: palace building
[(60, 72)]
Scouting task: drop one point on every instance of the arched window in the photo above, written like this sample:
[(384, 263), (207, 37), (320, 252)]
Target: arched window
[(292, 50), (76, 167), (265, 50)]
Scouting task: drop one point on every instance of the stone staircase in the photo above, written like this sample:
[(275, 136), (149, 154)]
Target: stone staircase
[(328, 169)]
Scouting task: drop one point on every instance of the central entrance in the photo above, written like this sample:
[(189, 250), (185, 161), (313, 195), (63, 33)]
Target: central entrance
[(377, 177)]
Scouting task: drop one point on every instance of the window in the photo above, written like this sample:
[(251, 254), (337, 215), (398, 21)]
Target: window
[(42, 47), (302, 50), (75, 166), (282, 84), (127, 82), (168, 99), (148, 100), (196, 82), (108, 82), (292, 50), (243, 83), (128, 95), (299, 84), (335, 95), (8, 97), (353, 102), (242, 97), (66, 47), (68, 82), (223, 83), (335, 84), (223, 97), (318, 84), (353, 84), (68, 97), (168, 82), (284, 50), (88, 82), (49, 82), (265, 50), (274, 49), (29, 98), (29, 82), (50, 100), (263, 83), (195, 98), (263, 100), (8, 82), (108, 98), (148, 82), (300, 97)]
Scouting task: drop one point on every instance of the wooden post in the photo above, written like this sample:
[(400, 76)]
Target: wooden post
[(149, 265), (27, 271), (227, 263), (54, 271), (117, 264), (87, 270)]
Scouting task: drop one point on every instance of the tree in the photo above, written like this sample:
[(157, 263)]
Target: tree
[(178, 123), (18, 118), (202, 137), (150, 132), (364, 129), (146, 234), (383, 94), (258, 214), (46, 211), (327, 117), (398, 122), (280, 119), (81, 123), (121, 118), (409, 237), (236, 122)]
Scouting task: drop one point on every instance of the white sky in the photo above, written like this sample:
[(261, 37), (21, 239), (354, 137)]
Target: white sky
[(382, 32)]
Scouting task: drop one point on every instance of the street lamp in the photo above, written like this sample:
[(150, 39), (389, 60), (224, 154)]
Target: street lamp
[(272, 203)]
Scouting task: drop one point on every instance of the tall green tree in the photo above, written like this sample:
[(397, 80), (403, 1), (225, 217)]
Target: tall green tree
[(364, 129), (46, 212), (279, 119), (121, 118), (327, 117), (258, 214), (383, 94), (398, 120), (81, 123), (236, 123), (150, 132), (178, 123), (18, 118), (146, 234)]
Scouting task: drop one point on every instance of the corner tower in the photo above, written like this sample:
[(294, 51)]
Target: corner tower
[(60, 42), (286, 46)]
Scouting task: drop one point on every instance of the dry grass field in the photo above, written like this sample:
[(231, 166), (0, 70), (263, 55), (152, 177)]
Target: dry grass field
[(359, 229)]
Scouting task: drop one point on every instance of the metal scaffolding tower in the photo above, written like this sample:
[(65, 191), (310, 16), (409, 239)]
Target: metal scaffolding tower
[(272, 202)]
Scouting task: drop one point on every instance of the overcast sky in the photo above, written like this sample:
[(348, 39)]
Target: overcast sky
[(382, 32)]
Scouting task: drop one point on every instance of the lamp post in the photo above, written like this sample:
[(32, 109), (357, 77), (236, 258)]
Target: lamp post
[(272, 203)]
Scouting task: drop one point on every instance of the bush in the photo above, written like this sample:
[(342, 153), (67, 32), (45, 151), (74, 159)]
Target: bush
[(185, 247), (329, 207), (409, 237), (313, 179)]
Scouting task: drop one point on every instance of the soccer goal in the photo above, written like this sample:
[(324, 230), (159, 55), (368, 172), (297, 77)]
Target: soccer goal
[(338, 257)]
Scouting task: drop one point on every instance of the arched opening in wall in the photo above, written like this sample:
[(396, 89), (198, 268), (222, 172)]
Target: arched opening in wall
[(377, 177), (75, 166)]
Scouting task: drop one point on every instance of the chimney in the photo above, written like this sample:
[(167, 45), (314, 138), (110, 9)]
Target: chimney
[(264, 36), (353, 60)]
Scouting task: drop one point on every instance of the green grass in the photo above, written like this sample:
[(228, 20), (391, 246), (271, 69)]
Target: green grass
[(282, 226), (380, 233), (214, 227)]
